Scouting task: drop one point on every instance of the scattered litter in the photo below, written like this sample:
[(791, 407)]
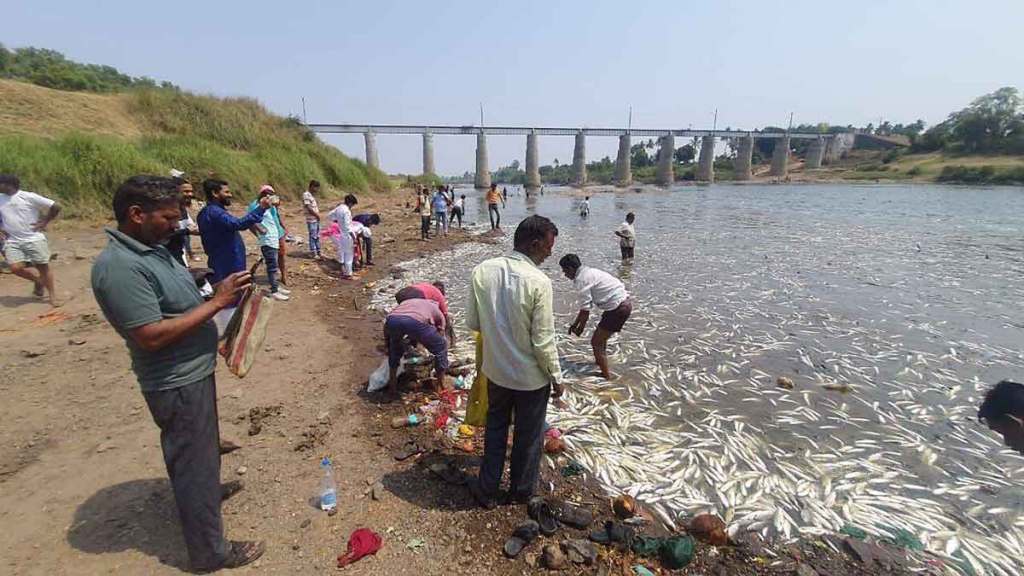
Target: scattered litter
[(362, 542)]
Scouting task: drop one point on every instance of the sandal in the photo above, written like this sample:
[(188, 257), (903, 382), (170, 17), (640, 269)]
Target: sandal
[(408, 450), (572, 515), (540, 511), (239, 554), (450, 474), (513, 546), (527, 531), (243, 553)]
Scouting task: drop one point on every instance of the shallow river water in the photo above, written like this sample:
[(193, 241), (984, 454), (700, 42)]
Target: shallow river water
[(891, 308)]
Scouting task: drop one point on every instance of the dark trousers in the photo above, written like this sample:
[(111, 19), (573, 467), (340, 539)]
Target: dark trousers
[(190, 438), (367, 249), (494, 215), (396, 328), (530, 409), (456, 213), (424, 226), (270, 261)]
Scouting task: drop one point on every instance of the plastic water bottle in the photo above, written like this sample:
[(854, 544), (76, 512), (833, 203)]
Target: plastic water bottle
[(328, 487), (406, 421)]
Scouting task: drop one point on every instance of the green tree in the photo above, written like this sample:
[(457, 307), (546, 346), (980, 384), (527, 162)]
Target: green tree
[(685, 154), (989, 122), (638, 156)]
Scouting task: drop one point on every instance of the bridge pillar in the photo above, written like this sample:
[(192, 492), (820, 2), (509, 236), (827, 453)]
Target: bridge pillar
[(706, 163), (664, 173), (370, 140), (428, 154), (780, 158), (815, 153), (482, 180), (532, 168), (623, 171), (744, 158), (579, 160)]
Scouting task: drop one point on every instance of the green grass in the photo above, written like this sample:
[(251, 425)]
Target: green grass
[(235, 139)]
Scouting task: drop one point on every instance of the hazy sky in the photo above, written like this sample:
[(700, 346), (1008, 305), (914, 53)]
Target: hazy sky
[(551, 63)]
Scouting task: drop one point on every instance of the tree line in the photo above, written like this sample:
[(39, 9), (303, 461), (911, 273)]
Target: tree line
[(51, 69)]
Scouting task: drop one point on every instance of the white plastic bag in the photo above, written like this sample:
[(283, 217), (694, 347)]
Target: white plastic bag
[(379, 378)]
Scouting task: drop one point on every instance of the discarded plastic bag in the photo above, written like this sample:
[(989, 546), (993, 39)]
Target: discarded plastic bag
[(476, 409), (379, 378)]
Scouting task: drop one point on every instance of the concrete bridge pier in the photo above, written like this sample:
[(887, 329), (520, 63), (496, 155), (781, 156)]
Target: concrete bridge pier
[(482, 180), (815, 154), (664, 174), (579, 160), (428, 154), (370, 140), (744, 158), (532, 168), (706, 163), (780, 158), (623, 171)]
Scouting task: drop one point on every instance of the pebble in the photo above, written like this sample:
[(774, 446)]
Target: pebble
[(554, 558), (241, 470)]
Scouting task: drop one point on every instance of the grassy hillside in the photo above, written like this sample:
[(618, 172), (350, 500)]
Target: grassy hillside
[(77, 147)]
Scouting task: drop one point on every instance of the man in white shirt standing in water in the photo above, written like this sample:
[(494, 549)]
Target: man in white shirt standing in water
[(24, 217), (606, 292), (627, 238)]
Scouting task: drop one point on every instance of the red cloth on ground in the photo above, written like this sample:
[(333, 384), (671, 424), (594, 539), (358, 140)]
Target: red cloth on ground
[(362, 542)]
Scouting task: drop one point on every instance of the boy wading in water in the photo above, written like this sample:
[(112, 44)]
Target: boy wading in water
[(627, 238), (597, 288)]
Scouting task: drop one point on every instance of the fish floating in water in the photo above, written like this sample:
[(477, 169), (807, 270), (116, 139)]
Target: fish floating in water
[(877, 432)]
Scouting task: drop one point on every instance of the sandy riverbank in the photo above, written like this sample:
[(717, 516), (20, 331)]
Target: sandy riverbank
[(84, 489)]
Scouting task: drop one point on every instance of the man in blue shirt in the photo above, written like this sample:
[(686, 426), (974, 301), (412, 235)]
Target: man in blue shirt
[(218, 229), (440, 204)]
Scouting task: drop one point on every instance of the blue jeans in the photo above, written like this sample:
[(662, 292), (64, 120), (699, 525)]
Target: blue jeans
[(314, 237), (270, 261)]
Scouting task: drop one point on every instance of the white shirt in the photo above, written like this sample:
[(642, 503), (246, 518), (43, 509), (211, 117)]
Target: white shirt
[(457, 203), (343, 216), (21, 211), (599, 288), (585, 207), (630, 240)]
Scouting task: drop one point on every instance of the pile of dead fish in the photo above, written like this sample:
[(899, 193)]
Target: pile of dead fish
[(888, 362)]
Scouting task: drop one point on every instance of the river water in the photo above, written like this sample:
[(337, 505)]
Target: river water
[(891, 308)]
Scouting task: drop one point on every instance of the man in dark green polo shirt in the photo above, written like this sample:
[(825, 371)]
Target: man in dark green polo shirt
[(155, 306)]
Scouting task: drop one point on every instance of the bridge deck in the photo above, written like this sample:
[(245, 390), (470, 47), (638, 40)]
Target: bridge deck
[(522, 130)]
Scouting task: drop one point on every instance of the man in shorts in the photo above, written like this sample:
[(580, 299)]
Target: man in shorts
[(606, 292), (24, 217)]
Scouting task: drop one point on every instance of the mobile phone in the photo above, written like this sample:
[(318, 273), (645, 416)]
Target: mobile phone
[(252, 271)]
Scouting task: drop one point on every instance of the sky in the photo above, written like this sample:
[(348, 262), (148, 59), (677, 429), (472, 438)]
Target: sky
[(549, 63)]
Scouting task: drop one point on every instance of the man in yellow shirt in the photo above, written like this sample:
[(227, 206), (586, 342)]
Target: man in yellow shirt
[(511, 306), (493, 197)]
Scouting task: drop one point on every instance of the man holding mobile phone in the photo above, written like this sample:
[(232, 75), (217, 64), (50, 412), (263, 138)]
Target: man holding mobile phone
[(154, 305), (219, 229)]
